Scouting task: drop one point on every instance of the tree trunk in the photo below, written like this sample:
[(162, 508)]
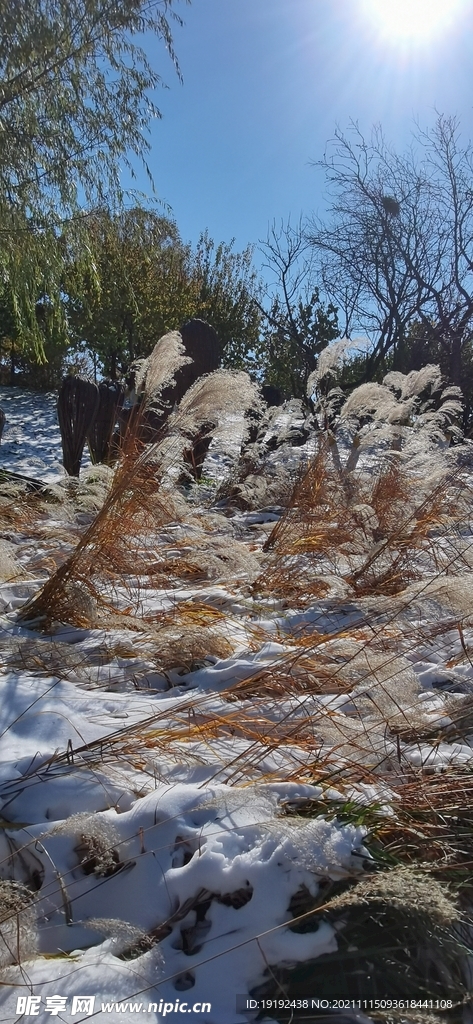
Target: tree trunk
[(12, 365), (455, 361), (113, 364)]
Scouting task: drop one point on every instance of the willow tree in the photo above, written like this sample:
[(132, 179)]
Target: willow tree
[(74, 107)]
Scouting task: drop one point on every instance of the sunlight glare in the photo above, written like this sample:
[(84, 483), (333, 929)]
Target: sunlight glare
[(411, 21)]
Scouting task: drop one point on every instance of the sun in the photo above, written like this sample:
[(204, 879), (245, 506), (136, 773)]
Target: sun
[(411, 21)]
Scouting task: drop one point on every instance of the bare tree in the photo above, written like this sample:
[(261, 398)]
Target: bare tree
[(398, 248), (296, 325)]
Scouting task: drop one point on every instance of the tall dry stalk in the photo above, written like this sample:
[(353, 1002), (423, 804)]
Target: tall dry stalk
[(141, 498)]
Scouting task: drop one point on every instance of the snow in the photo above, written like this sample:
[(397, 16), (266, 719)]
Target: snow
[(145, 802), (39, 453)]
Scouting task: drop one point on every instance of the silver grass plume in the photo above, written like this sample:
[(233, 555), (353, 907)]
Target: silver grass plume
[(121, 935), (399, 413), (97, 837), (158, 370), (412, 384), (216, 396), (328, 361), (94, 824), (207, 405), (17, 924), (374, 400), (407, 889)]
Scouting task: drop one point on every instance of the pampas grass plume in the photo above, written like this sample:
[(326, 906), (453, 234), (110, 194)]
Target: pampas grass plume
[(216, 396), (158, 370)]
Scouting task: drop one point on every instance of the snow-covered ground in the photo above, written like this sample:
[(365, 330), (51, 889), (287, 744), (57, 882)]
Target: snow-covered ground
[(31, 442), (151, 810)]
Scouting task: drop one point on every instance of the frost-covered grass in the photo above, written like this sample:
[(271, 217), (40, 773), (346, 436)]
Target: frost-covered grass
[(236, 747)]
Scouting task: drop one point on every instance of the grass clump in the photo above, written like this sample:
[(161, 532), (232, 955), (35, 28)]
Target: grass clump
[(17, 924)]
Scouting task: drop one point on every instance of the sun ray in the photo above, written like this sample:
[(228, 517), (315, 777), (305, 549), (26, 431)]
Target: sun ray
[(411, 22)]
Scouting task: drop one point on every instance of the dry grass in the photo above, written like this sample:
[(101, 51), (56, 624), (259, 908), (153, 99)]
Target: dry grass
[(388, 541), (138, 504), (367, 531), (17, 924)]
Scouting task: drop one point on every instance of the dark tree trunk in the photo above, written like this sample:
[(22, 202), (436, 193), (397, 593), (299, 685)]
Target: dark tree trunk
[(100, 433), (113, 364), (77, 407), (12, 364), (455, 367)]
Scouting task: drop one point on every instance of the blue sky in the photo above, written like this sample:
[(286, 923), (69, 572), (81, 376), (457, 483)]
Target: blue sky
[(265, 84)]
